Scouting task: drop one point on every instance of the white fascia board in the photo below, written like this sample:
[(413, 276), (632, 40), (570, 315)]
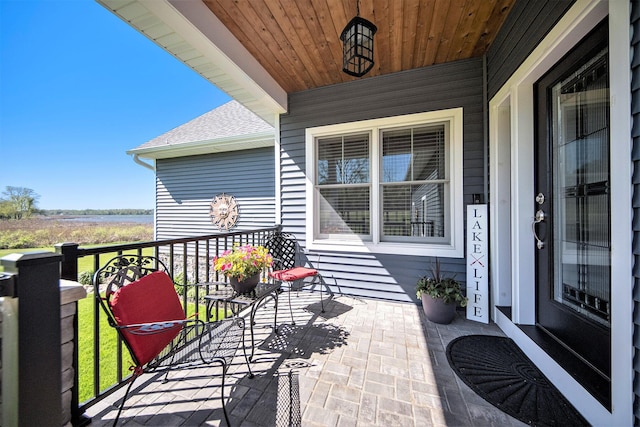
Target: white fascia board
[(259, 140), (230, 54), (225, 62)]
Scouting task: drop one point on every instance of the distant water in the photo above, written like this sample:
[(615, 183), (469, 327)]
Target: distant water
[(140, 219)]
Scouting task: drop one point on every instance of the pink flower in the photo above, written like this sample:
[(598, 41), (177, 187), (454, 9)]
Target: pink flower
[(242, 261)]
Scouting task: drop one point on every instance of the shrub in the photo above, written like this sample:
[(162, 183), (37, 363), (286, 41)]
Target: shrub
[(85, 277)]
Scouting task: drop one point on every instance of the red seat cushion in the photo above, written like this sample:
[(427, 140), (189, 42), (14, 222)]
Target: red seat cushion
[(152, 298), (293, 274)]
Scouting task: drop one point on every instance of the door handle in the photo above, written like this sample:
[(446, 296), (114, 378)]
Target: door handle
[(540, 217)]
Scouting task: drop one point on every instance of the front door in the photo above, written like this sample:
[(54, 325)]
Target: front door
[(572, 210)]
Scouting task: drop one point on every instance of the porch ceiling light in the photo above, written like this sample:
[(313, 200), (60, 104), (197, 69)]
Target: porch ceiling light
[(357, 45)]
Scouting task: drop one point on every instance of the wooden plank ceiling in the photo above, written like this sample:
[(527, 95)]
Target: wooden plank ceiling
[(297, 41)]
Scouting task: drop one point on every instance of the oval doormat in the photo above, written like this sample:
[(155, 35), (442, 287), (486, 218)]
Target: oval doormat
[(498, 371)]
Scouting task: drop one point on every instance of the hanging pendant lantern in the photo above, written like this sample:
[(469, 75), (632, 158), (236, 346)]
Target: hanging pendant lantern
[(357, 45)]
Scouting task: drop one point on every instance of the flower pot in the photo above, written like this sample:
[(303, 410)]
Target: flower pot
[(244, 286), (437, 311)]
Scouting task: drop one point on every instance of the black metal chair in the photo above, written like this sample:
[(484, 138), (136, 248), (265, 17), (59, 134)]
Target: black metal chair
[(288, 266), (140, 301)]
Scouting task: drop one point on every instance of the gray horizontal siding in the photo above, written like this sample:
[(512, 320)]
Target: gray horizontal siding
[(378, 275), (526, 25), (439, 87), (635, 156), (185, 187)]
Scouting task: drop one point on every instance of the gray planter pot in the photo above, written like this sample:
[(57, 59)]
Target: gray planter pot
[(437, 311), (245, 286)]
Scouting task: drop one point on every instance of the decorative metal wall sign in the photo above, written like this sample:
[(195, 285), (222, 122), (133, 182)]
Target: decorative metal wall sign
[(224, 211)]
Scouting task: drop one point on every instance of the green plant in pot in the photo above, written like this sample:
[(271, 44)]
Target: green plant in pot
[(242, 266), (440, 295)]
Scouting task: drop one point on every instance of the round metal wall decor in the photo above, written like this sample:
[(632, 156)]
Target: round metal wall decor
[(224, 211)]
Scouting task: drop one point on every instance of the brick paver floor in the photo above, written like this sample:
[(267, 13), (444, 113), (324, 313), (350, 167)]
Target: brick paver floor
[(361, 363)]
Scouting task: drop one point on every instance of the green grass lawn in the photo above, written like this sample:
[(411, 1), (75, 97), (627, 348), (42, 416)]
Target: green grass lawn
[(107, 350)]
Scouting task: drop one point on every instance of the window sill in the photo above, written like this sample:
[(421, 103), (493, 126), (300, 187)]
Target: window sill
[(395, 248)]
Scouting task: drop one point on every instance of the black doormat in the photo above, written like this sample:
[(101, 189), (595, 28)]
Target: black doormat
[(498, 371)]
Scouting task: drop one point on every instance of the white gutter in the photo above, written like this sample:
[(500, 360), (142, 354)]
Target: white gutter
[(145, 164), (209, 146)]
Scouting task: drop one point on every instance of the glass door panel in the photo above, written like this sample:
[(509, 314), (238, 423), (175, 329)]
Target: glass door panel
[(580, 188)]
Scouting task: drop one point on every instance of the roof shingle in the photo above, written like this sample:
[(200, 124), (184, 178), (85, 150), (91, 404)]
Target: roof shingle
[(226, 121)]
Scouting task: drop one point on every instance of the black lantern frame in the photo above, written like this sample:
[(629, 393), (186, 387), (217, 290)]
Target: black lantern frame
[(357, 46)]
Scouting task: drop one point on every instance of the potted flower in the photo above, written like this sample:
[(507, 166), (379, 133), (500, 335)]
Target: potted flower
[(242, 265), (440, 295)]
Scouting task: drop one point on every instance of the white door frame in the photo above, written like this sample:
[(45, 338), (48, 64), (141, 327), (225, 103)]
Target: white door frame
[(511, 131)]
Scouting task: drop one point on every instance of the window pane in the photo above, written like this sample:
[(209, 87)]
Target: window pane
[(329, 157), (413, 210), (344, 211), (429, 153), (355, 164), (396, 156), (413, 154), (343, 160)]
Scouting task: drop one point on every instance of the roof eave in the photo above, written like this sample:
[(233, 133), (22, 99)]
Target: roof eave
[(220, 145), (193, 34)]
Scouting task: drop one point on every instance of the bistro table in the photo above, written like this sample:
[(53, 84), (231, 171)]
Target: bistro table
[(225, 295)]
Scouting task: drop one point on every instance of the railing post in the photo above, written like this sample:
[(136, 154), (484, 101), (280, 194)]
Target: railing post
[(37, 286), (69, 271), (70, 293), (69, 267), (9, 348)]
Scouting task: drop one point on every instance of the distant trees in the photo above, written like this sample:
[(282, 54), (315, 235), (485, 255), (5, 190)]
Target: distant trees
[(50, 212), (18, 203), (21, 202)]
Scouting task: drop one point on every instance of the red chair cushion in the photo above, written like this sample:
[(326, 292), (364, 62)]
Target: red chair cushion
[(152, 298), (293, 274)]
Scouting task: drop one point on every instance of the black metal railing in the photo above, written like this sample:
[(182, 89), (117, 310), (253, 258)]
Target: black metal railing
[(188, 260)]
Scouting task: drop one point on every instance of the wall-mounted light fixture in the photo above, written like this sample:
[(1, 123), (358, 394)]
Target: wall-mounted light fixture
[(357, 45)]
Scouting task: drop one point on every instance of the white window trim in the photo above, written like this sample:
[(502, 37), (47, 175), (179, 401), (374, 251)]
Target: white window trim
[(454, 249)]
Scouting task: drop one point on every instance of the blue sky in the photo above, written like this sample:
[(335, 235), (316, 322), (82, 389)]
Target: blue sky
[(78, 88)]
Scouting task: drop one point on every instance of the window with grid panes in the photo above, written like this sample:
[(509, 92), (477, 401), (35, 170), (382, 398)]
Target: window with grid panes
[(344, 184), (382, 183), (413, 183)]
